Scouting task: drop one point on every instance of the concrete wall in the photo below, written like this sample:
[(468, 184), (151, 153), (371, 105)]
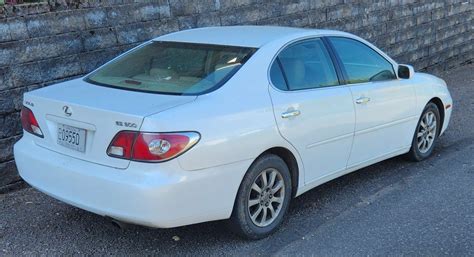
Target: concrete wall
[(41, 44)]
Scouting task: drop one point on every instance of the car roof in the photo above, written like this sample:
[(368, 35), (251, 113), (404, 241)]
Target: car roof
[(248, 36)]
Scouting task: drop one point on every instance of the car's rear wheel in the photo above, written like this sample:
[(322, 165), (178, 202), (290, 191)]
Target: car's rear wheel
[(263, 198), (426, 133)]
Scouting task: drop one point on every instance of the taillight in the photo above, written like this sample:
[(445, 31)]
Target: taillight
[(122, 144), (151, 147), (29, 122)]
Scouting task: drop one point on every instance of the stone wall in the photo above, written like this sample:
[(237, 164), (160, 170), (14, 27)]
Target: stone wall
[(41, 44)]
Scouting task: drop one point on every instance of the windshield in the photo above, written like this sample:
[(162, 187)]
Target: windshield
[(173, 68)]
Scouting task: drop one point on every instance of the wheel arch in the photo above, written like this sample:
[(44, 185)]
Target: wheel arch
[(290, 159), (439, 103)]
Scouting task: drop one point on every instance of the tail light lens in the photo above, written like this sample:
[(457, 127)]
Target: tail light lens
[(29, 122), (122, 144), (151, 147)]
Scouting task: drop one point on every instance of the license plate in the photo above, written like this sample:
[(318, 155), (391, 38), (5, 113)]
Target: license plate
[(72, 137)]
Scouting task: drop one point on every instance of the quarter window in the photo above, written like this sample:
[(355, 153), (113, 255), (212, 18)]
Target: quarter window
[(362, 63), (277, 77), (304, 65)]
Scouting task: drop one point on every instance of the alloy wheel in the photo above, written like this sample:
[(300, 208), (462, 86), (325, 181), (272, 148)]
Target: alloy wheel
[(266, 197), (426, 132)]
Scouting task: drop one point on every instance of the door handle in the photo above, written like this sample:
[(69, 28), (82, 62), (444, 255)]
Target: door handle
[(363, 100), (289, 114)]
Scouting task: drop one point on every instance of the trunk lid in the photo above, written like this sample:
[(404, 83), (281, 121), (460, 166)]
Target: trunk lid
[(96, 113)]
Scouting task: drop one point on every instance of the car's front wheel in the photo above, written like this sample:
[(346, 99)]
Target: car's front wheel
[(263, 198), (426, 133)]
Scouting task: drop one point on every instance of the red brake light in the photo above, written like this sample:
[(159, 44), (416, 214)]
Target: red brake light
[(151, 147), (29, 122)]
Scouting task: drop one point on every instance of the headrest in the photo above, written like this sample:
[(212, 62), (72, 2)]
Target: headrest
[(157, 72), (295, 71)]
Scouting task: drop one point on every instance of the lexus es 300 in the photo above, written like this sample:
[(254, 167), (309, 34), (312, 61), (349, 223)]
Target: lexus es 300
[(225, 123)]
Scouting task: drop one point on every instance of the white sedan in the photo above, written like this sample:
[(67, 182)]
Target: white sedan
[(225, 123)]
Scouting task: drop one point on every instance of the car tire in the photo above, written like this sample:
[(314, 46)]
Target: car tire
[(263, 198), (426, 134)]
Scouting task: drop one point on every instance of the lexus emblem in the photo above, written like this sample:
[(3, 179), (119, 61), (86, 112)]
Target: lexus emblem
[(67, 110)]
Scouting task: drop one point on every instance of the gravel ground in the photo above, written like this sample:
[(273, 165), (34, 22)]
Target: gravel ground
[(392, 208)]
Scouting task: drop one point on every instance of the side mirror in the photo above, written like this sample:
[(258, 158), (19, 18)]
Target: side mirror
[(405, 71)]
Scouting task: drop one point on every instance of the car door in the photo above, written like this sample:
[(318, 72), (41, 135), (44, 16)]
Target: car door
[(384, 105), (312, 110)]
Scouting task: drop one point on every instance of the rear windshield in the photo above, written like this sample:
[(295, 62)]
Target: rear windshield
[(173, 68)]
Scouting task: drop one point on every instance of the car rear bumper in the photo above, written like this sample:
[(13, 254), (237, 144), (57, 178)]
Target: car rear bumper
[(155, 195)]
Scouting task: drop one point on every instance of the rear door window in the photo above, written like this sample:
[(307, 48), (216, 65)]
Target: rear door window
[(304, 65)]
